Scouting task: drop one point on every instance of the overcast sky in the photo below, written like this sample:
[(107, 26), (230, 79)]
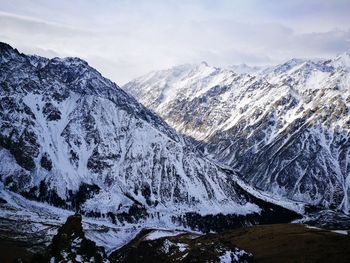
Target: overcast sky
[(125, 38)]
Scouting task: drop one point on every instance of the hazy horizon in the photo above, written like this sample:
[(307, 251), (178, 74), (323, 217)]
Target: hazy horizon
[(126, 39)]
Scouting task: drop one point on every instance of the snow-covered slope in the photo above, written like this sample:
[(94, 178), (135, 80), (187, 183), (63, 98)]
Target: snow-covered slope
[(74, 139), (285, 128)]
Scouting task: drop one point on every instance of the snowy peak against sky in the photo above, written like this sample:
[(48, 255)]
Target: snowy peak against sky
[(342, 60), (74, 139), (229, 114), (282, 112), (139, 37)]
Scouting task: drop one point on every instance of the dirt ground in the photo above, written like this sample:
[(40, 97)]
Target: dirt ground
[(291, 243)]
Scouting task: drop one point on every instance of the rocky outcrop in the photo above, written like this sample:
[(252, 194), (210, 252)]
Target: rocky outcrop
[(71, 245)]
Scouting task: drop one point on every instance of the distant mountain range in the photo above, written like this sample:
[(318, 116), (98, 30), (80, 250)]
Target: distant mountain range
[(284, 129)]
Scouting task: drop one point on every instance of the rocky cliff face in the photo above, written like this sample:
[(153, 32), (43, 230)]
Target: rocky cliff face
[(72, 138), (285, 129)]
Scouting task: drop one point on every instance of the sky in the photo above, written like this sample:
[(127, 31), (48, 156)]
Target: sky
[(124, 39)]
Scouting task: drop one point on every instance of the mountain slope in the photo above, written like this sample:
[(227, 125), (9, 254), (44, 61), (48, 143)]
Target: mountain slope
[(76, 140), (285, 129)]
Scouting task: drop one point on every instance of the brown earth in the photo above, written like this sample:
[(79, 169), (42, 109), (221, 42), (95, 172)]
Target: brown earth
[(291, 243), (267, 243)]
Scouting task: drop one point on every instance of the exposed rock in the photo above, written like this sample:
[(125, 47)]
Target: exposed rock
[(46, 162), (71, 245), (51, 112), (179, 247)]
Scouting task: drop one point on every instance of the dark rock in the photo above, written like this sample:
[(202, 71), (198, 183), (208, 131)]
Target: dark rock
[(85, 192), (51, 112), (135, 213), (24, 149), (46, 162), (70, 244), (180, 248), (74, 200), (3, 201)]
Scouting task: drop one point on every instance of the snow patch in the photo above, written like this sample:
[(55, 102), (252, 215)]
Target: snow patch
[(156, 234)]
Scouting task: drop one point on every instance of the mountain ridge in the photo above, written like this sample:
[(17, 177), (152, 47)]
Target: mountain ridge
[(258, 123), (74, 139)]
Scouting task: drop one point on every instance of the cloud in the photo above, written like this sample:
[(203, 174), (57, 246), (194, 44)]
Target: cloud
[(30, 25), (124, 39)]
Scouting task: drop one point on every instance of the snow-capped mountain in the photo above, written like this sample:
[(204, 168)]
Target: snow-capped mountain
[(74, 139), (285, 129)]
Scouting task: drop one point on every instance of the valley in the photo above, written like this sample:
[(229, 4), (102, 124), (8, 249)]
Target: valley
[(240, 167)]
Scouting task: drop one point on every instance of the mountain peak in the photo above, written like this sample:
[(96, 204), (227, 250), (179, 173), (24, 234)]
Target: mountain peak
[(7, 52), (204, 63), (5, 46), (343, 60), (344, 55), (72, 61)]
